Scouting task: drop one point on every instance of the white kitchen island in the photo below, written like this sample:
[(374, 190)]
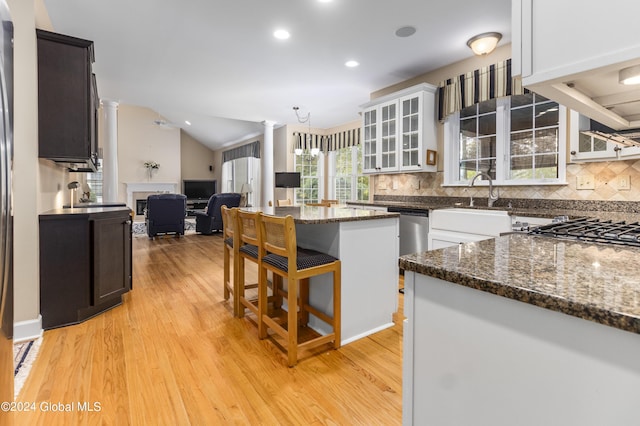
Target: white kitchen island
[(522, 330), (366, 242)]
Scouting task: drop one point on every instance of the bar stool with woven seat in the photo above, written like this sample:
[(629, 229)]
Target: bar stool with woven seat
[(247, 227), (283, 258), (230, 245)]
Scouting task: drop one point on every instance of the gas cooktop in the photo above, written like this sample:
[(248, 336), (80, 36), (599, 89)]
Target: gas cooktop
[(592, 230)]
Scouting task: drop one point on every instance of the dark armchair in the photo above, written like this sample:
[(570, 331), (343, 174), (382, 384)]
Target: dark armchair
[(211, 219), (165, 214)]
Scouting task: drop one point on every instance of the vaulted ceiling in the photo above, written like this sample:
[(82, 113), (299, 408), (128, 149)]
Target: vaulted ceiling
[(216, 63)]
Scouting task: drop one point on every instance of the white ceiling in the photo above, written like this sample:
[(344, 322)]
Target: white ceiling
[(216, 63)]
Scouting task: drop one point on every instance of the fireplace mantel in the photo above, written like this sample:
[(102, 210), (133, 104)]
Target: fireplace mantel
[(171, 187)]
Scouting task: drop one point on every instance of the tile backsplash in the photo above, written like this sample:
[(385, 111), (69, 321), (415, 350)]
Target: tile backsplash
[(606, 175)]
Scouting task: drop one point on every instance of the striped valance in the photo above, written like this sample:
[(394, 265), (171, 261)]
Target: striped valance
[(344, 139), (310, 140), (477, 86), (326, 143)]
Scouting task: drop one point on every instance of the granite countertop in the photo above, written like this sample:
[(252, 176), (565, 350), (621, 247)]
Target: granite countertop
[(320, 214), (87, 211), (603, 210), (596, 282)]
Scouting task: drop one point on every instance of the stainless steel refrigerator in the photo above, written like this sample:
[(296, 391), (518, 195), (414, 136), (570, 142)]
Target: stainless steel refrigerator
[(6, 213)]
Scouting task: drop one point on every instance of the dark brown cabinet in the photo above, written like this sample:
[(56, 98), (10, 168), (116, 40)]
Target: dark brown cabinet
[(85, 263), (67, 101)]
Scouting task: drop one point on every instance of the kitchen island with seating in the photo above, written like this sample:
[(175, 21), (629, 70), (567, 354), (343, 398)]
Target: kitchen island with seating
[(366, 242), (522, 329)]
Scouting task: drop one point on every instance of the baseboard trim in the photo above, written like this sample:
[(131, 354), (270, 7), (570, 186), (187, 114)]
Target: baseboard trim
[(367, 333), (27, 330)]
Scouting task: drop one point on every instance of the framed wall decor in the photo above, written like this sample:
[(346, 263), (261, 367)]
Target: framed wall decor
[(431, 157)]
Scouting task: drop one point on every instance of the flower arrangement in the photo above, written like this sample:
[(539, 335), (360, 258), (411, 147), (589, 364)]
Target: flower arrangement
[(151, 165)]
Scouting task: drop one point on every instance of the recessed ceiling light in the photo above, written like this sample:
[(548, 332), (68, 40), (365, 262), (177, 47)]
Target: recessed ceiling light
[(351, 64), (281, 34), (406, 31), (325, 1), (187, 122)]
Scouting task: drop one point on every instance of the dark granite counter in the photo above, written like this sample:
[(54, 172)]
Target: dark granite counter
[(87, 211), (596, 282), (604, 210), (319, 214)]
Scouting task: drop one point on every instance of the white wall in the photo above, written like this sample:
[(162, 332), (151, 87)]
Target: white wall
[(140, 140), (25, 166), (196, 159)]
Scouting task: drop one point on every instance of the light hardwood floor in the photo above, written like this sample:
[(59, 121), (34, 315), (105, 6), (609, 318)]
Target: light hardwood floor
[(173, 354)]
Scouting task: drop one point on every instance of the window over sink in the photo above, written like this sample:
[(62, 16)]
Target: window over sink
[(517, 140)]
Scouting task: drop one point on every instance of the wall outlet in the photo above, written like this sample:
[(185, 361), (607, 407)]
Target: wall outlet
[(585, 182), (394, 185), (624, 183)]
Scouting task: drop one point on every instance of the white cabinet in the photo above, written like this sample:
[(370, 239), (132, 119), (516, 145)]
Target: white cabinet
[(572, 54), (448, 227), (398, 129), (585, 147)]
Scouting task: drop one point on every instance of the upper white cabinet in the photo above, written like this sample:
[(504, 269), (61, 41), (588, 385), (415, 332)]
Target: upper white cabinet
[(398, 129), (586, 147), (572, 53)]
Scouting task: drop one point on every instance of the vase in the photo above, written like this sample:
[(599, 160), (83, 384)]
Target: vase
[(149, 173)]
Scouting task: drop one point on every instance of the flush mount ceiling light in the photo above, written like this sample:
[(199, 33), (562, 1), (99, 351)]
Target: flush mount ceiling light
[(351, 64), (187, 122), (281, 34), (484, 43), (629, 75)]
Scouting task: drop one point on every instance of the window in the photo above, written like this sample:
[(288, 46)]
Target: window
[(349, 184), (240, 171), (310, 167), (94, 180), (517, 140)]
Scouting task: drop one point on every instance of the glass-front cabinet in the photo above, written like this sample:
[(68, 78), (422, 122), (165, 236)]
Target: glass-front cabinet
[(589, 146), (399, 131)]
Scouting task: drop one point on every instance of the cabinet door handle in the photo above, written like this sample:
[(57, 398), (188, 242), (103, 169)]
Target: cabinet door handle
[(127, 222)]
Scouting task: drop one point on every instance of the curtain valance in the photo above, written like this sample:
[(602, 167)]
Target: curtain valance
[(480, 85), (324, 143), (344, 139), (310, 141), (249, 150)]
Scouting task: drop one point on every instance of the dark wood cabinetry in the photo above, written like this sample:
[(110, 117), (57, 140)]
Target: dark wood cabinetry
[(85, 263), (67, 101)]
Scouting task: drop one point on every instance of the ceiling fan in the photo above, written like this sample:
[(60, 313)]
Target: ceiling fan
[(166, 124)]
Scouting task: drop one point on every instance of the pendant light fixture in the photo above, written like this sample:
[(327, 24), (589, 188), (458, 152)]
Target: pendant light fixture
[(302, 120)]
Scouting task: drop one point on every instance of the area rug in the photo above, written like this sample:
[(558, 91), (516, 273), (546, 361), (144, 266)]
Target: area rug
[(24, 354), (140, 228)]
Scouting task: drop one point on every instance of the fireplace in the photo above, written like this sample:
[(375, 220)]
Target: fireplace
[(137, 193), (141, 205)]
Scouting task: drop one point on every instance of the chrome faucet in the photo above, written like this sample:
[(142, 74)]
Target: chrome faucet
[(492, 197)]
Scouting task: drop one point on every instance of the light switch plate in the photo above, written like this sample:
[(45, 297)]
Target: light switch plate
[(624, 183), (585, 182)]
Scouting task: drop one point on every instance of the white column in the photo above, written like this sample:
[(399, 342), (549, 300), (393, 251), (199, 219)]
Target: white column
[(110, 152), (267, 165)]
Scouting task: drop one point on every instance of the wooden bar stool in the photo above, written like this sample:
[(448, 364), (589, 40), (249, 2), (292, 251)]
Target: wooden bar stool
[(284, 259), (229, 247), (247, 227)]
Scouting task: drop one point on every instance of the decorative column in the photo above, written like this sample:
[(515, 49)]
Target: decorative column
[(267, 165), (110, 152)]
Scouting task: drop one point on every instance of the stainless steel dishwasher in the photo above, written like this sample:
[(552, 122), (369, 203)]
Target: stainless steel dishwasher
[(414, 229)]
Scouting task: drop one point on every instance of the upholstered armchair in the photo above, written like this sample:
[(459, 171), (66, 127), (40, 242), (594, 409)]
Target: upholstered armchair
[(165, 214), (211, 219)]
